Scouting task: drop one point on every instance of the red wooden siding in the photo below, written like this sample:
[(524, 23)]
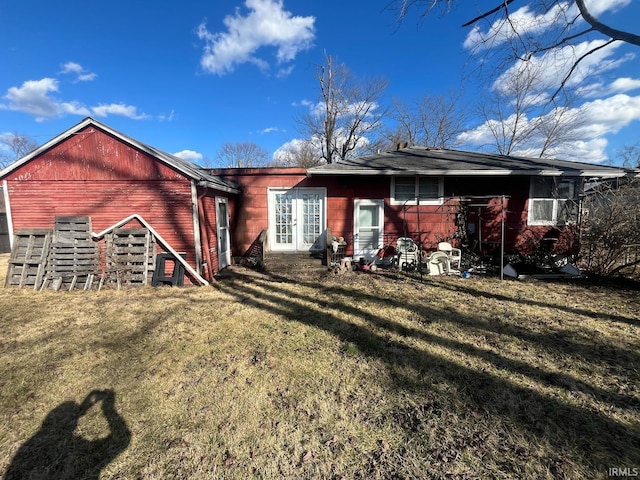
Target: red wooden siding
[(92, 173), (426, 224), (249, 212)]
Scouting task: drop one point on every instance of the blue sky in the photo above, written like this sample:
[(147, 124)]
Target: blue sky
[(189, 76)]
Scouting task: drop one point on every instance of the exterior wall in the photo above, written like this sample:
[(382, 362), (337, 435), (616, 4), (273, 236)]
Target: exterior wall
[(249, 212), (426, 224), (92, 173)]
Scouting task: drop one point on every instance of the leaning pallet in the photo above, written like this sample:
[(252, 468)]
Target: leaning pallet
[(28, 259), (130, 256), (73, 255)]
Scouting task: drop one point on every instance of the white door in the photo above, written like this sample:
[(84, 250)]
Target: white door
[(296, 219), (222, 223), (368, 226)]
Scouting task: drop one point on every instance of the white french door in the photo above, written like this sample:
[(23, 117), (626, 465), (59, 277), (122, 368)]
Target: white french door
[(222, 224), (296, 219), (368, 227)]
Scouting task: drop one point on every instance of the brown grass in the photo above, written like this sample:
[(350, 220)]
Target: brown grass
[(356, 376)]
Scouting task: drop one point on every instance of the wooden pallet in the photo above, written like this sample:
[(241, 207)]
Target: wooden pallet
[(28, 261), (73, 255), (130, 256)]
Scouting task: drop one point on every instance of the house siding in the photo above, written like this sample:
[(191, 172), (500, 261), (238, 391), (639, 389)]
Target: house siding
[(425, 224), (95, 174)]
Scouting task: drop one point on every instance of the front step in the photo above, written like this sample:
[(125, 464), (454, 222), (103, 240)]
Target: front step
[(293, 263)]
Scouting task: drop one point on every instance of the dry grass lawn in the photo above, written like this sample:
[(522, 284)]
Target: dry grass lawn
[(355, 376)]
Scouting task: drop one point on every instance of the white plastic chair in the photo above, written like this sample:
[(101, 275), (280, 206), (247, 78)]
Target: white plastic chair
[(454, 254), (438, 264)]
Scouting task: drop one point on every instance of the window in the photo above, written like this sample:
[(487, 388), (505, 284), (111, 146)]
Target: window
[(553, 201), (407, 190)]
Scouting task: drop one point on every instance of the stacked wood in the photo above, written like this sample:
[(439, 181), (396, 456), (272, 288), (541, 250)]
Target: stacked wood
[(28, 261), (73, 255), (130, 256)]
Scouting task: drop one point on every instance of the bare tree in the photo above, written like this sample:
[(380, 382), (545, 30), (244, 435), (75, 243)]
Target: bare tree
[(520, 119), (556, 24), (347, 112), (630, 155), (611, 228), (14, 146), (242, 155), (432, 120), (298, 153)]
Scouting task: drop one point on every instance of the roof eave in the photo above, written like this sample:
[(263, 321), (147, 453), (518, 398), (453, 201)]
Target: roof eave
[(466, 173), (218, 186)]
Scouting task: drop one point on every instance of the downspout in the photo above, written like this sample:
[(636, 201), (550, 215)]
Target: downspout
[(195, 216), (7, 206), (205, 235)]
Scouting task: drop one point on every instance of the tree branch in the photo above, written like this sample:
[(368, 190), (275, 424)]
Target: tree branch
[(575, 65), (605, 29), (502, 6)]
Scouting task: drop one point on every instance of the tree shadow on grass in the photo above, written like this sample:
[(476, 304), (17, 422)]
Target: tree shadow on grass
[(56, 452), (586, 436)]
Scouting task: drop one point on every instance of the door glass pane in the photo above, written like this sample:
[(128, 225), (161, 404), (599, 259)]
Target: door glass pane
[(310, 217), (222, 214), (368, 216), (284, 218)]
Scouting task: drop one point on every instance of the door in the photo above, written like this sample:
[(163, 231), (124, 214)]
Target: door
[(222, 224), (296, 219), (368, 220)]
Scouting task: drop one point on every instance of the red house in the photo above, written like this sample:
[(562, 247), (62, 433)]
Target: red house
[(471, 199), (93, 170), (482, 202)]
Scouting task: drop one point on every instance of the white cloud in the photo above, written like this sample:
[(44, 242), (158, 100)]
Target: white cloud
[(550, 69), (269, 130), (525, 22), (36, 97), (76, 68), (266, 24), (118, 109), (596, 120), (189, 155), (599, 89)]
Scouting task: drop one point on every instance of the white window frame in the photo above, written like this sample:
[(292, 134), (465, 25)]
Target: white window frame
[(423, 201), (556, 202)]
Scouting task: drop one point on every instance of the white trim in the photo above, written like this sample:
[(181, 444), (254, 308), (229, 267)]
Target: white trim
[(464, 173), (7, 206), (556, 202), (227, 254), (357, 250), (416, 201), (296, 213), (195, 217)]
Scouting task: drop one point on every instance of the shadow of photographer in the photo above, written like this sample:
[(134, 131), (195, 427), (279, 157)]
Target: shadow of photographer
[(57, 452)]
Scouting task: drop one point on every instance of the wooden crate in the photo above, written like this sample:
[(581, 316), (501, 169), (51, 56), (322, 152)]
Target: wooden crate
[(73, 256), (28, 261), (130, 256)]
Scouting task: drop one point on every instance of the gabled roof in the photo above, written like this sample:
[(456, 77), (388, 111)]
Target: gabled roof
[(188, 169), (436, 161)]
